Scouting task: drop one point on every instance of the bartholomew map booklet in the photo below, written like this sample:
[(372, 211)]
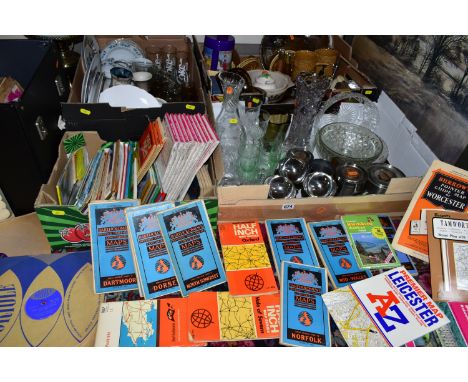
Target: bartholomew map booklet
[(389, 309), (113, 266), (192, 248), (246, 260), (455, 334), (369, 242), (335, 250), (448, 255), (443, 187), (290, 241), (304, 316), (154, 268), (390, 229), (144, 323), (219, 316)]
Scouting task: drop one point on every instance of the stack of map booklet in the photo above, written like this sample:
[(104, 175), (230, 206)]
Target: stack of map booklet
[(190, 142)]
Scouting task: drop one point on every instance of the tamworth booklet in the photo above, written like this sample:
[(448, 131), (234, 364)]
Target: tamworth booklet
[(443, 187), (448, 255), (335, 250), (246, 260), (369, 242), (290, 241), (389, 309), (113, 266), (304, 316), (154, 268), (192, 248)]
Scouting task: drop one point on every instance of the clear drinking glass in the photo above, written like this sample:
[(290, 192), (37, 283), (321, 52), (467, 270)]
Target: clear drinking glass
[(183, 74), (229, 127), (169, 59)]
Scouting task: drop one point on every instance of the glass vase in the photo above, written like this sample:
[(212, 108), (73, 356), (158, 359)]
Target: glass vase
[(310, 89), (229, 127), (254, 124)]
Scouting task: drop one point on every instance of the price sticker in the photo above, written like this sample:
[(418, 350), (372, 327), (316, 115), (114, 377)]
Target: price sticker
[(58, 212), (232, 121), (256, 100), (85, 111), (367, 92), (190, 107), (288, 206)]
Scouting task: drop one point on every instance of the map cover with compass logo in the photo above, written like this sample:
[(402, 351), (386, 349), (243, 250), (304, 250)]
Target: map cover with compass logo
[(48, 300)]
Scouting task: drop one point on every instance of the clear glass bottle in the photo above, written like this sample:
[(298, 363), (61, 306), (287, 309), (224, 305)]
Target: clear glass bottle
[(310, 89), (254, 128), (229, 127)]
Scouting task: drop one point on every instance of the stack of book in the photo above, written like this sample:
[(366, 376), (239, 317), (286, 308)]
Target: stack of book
[(190, 142)]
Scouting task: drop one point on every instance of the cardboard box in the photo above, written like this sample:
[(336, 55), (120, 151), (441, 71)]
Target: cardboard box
[(114, 123), (245, 203), (59, 222), (23, 236)]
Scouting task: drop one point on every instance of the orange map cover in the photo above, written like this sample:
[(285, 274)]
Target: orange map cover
[(248, 267)]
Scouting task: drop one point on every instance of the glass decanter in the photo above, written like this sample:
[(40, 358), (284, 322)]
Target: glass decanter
[(229, 127), (254, 128), (310, 89)]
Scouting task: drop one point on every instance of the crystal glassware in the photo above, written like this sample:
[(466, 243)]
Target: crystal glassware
[(254, 123), (229, 127), (310, 89)]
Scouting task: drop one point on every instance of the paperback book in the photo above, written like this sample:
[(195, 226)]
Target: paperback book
[(304, 316), (290, 241), (192, 248), (246, 260), (369, 242), (113, 266), (154, 269), (219, 316), (336, 253), (389, 309)]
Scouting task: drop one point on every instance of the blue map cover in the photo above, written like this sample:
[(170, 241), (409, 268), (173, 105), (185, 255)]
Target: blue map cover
[(154, 267), (390, 230), (190, 242), (304, 316), (113, 266), (335, 251), (290, 241)]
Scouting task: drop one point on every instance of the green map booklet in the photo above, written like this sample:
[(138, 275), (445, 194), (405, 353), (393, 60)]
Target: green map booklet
[(369, 242)]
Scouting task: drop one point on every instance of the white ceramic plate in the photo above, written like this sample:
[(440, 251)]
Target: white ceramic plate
[(122, 52), (89, 49), (91, 76), (128, 96)]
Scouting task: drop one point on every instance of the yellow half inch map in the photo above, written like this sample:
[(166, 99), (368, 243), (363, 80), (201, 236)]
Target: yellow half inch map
[(248, 256)]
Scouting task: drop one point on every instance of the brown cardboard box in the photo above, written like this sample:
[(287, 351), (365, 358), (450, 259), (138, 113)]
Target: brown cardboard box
[(23, 236), (114, 123), (56, 219)]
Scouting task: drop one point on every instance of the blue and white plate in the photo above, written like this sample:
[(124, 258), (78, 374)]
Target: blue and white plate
[(120, 52)]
